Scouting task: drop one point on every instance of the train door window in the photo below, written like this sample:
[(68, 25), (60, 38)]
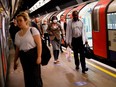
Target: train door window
[(111, 20), (95, 19)]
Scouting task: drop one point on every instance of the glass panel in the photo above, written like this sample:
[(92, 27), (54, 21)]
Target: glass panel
[(111, 20), (95, 18)]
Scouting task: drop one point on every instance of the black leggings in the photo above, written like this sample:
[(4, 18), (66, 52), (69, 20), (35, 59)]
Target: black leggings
[(56, 54)]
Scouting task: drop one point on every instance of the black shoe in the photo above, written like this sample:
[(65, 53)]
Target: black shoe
[(77, 68), (84, 70)]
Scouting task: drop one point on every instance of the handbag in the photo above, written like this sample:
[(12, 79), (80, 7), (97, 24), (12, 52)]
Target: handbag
[(88, 52), (46, 55)]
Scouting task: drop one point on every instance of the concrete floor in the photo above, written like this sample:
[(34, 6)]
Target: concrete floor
[(65, 75)]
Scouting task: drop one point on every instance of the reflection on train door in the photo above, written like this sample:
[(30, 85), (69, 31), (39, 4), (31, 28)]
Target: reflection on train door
[(1, 65)]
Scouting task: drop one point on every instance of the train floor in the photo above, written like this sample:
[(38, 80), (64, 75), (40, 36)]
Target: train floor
[(65, 75)]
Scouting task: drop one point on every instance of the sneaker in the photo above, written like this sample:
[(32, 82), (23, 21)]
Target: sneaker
[(84, 70)]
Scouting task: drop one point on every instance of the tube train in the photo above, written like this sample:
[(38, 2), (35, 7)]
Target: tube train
[(99, 18)]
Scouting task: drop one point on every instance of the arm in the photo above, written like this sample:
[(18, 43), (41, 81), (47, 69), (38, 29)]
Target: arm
[(16, 58), (48, 30), (69, 33), (38, 42)]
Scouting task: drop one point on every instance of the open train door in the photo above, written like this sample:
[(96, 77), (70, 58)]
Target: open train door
[(85, 17), (99, 29), (111, 27)]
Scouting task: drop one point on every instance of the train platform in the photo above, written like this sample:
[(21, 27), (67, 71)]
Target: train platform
[(65, 75)]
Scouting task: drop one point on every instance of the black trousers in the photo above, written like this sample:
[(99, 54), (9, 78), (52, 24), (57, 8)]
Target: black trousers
[(32, 71), (46, 37), (56, 54), (78, 47)]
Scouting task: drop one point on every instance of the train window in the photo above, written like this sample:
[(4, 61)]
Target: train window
[(95, 19), (111, 20)]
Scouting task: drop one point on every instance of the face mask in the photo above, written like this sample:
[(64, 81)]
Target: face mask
[(55, 21)]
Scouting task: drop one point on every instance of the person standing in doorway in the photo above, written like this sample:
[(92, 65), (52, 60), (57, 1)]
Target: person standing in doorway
[(76, 38)]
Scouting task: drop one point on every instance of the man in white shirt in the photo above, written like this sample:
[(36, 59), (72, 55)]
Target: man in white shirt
[(76, 38)]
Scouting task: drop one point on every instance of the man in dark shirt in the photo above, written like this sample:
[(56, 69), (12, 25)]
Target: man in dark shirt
[(13, 30)]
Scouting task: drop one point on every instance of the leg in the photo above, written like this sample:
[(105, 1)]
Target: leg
[(61, 49), (82, 59), (76, 59), (45, 37), (55, 54), (75, 50), (48, 38)]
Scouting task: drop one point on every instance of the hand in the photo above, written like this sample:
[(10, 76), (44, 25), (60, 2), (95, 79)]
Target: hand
[(38, 60), (42, 35), (67, 45), (86, 42), (70, 46), (15, 65)]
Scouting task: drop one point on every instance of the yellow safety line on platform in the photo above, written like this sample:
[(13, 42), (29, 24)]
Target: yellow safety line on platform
[(106, 71)]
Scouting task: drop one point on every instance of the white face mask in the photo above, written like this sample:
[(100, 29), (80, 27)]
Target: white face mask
[(55, 21), (45, 27)]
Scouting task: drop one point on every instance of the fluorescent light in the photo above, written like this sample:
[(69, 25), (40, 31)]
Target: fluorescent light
[(39, 4)]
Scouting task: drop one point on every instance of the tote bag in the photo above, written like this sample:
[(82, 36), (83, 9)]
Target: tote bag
[(88, 52), (46, 55)]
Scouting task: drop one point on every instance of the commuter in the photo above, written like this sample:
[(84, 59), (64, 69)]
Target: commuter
[(62, 34), (33, 24), (63, 25), (38, 22), (28, 42), (13, 30), (76, 38), (45, 33), (54, 30)]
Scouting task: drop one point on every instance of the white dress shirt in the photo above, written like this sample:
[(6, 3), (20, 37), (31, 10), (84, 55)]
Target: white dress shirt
[(75, 29)]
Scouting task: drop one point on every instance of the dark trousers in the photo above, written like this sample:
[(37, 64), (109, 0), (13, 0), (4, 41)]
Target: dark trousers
[(78, 47), (56, 54), (61, 48), (32, 71), (46, 37)]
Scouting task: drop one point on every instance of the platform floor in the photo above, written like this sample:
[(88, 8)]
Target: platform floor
[(65, 75)]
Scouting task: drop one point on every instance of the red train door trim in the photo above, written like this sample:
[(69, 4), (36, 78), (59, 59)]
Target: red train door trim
[(99, 32)]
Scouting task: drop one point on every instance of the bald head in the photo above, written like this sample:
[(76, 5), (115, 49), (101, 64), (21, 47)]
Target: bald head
[(75, 15)]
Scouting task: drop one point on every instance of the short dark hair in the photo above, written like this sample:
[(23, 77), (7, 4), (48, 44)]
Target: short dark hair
[(54, 17), (75, 11)]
